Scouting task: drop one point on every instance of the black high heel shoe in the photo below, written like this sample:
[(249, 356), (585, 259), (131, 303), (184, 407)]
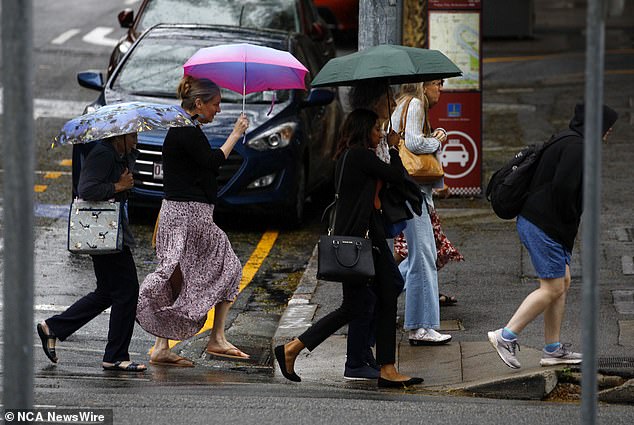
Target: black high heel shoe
[(281, 361), (386, 383)]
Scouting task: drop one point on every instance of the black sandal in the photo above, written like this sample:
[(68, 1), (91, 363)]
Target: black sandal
[(130, 367), (46, 338)]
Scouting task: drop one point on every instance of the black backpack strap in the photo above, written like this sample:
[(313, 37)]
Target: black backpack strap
[(554, 139), (561, 135)]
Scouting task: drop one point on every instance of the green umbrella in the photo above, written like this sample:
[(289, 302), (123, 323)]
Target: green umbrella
[(398, 64)]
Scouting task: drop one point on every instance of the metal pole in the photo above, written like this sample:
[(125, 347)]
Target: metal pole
[(379, 22), (592, 195), (18, 163)]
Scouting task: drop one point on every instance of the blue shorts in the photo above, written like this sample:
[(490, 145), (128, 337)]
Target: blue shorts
[(548, 256)]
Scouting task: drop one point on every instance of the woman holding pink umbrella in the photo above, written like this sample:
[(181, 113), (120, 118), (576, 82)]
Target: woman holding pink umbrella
[(198, 269)]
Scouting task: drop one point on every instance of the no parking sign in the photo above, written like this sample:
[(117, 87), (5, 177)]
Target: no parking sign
[(461, 154)]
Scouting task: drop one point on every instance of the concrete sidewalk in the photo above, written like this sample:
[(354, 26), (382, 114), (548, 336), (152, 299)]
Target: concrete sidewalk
[(460, 366), (468, 364)]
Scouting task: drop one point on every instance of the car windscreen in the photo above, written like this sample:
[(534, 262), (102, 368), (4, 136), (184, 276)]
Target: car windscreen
[(271, 14), (155, 67)]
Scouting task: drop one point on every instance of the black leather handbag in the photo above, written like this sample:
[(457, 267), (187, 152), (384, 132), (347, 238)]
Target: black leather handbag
[(343, 258)]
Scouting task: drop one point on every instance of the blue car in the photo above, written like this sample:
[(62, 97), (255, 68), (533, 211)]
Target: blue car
[(288, 149)]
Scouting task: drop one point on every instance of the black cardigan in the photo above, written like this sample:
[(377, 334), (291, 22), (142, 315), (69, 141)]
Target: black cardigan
[(355, 207), (190, 166)]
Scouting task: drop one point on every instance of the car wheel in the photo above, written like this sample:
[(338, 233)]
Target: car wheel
[(293, 213)]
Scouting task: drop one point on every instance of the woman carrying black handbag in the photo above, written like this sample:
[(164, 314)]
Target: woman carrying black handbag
[(356, 216)]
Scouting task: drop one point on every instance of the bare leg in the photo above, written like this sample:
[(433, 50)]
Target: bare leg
[(549, 291), (554, 314), (217, 340), (161, 353)]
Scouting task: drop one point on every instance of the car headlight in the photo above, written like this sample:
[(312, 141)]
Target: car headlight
[(278, 137)]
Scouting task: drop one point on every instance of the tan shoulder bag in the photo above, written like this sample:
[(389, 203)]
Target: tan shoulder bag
[(424, 168)]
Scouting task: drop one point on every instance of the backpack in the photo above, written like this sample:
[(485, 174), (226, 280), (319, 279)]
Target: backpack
[(508, 187)]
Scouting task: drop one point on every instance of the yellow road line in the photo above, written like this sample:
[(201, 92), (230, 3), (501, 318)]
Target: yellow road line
[(39, 188), (66, 162), (53, 175), (248, 272)]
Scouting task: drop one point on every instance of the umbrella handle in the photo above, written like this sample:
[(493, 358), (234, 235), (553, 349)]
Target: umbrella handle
[(244, 93)]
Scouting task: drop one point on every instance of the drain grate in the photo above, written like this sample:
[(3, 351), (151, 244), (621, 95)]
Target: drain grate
[(616, 362), (621, 366)]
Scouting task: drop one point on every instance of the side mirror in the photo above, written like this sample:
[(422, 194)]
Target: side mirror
[(126, 18), (91, 80), (319, 97)]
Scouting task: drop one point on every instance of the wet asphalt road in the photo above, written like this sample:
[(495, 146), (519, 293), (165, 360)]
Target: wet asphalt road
[(223, 392)]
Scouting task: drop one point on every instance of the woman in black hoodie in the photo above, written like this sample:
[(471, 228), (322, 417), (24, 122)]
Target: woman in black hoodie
[(547, 227), (357, 216)]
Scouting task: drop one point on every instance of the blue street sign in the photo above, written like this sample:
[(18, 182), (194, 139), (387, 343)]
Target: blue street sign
[(454, 110)]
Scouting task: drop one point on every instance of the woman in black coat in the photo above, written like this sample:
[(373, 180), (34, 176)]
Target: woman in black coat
[(357, 216), (105, 174)]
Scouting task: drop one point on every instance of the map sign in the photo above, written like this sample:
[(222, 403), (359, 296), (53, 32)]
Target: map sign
[(453, 4), (457, 35)]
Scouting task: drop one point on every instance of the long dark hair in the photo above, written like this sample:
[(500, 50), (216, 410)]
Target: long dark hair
[(356, 130)]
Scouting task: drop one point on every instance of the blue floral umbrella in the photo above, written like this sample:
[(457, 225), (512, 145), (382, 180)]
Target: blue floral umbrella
[(121, 118)]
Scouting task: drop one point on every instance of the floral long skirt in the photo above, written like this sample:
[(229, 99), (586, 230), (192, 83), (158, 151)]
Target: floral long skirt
[(189, 239)]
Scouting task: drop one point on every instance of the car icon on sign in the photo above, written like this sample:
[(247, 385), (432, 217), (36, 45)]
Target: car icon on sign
[(454, 152)]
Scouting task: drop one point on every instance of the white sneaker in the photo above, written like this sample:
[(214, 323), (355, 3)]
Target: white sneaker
[(505, 349), (423, 336), (562, 355)]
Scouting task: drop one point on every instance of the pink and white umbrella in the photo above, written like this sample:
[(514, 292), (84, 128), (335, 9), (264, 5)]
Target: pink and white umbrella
[(247, 68)]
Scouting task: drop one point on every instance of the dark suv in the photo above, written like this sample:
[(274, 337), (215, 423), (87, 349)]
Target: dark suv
[(293, 16), (286, 154)]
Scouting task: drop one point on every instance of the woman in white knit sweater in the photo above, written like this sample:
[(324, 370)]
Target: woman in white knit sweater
[(422, 309)]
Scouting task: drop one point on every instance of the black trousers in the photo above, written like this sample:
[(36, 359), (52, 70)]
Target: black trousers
[(361, 335), (357, 300), (117, 287)]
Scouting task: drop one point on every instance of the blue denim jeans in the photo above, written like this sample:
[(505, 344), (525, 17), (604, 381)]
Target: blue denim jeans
[(422, 309)]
